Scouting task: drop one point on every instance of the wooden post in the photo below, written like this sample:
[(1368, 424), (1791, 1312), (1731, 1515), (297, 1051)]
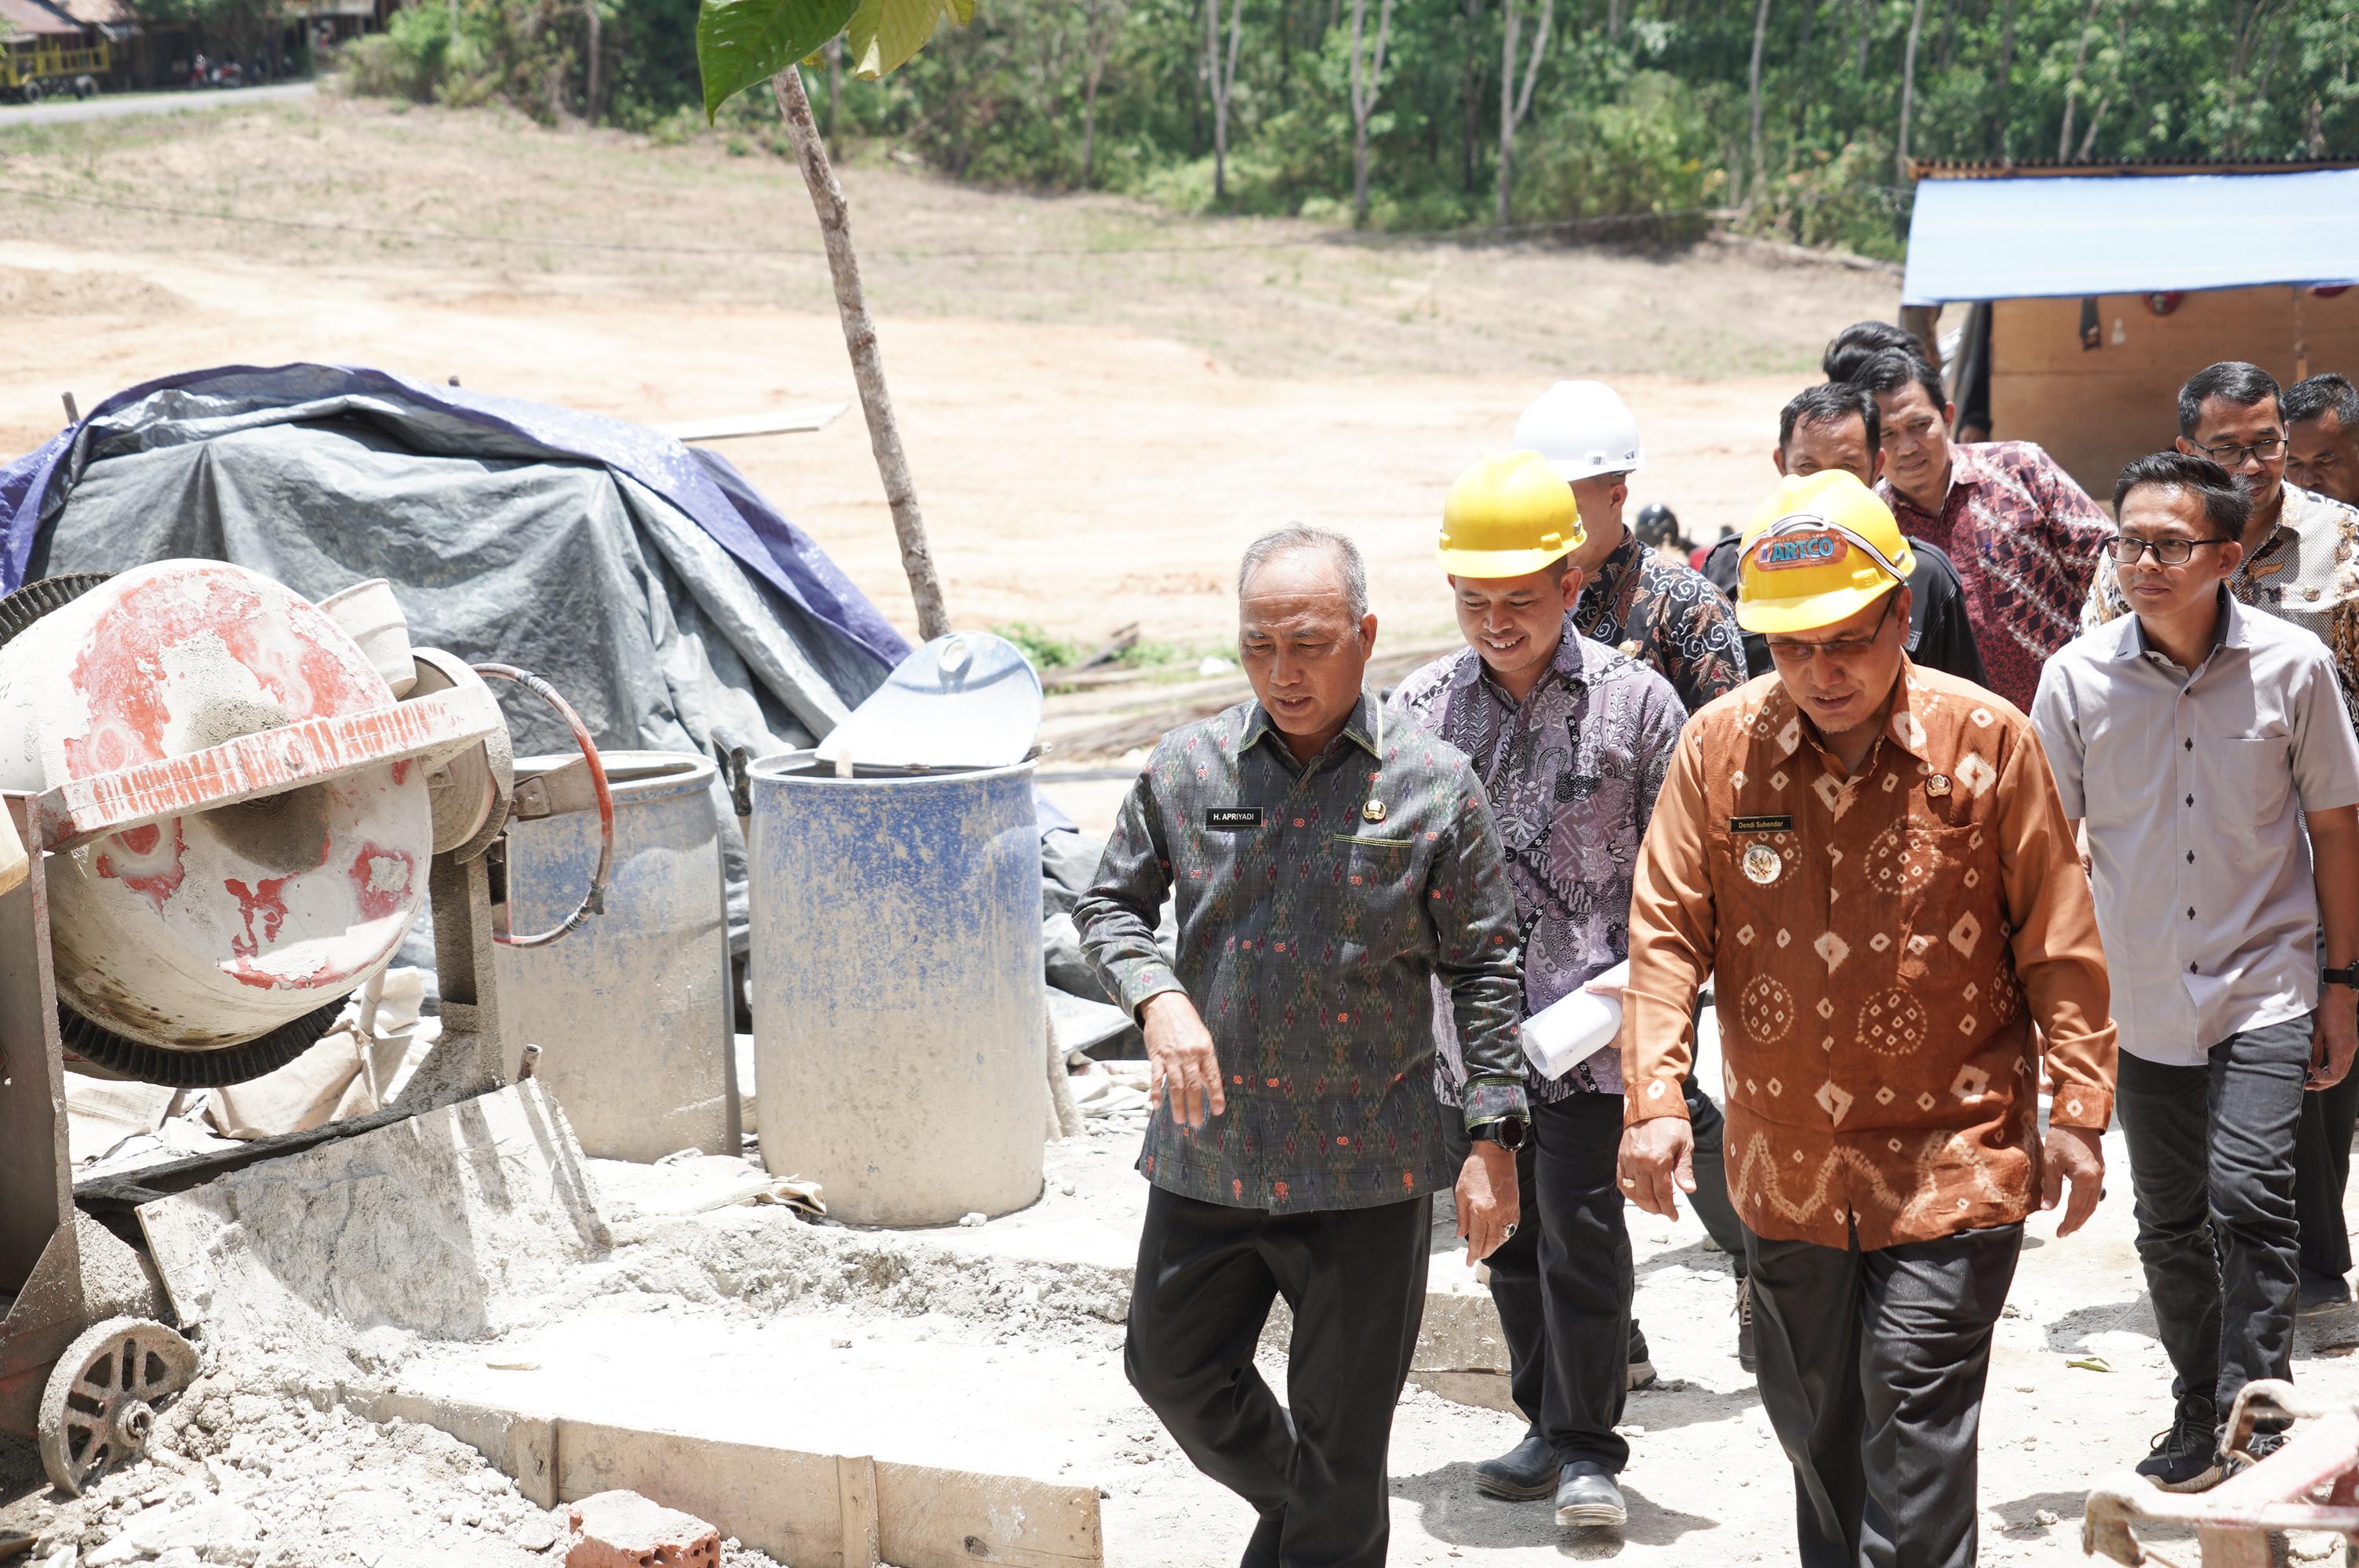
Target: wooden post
[(860, 341), (856, 1491)]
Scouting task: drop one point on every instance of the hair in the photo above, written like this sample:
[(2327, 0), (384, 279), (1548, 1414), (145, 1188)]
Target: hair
[(1849, 351), (1351, 571), (2228, 504), (2231, 381), (1892, 370), (1830, 402), (2326, 393)]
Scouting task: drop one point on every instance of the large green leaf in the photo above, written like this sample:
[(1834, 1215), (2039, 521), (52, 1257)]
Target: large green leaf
[(743, 43), (884, 33)]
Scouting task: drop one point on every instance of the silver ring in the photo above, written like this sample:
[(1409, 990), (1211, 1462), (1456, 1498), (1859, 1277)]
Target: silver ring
[(1510, 1235), (1629, 1181)]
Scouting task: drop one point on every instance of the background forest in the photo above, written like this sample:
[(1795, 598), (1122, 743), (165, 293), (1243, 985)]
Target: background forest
[(1430, 115)]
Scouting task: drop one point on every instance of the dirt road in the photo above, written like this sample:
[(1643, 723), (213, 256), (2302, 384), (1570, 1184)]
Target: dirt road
[(117, 106), (1099, 409)]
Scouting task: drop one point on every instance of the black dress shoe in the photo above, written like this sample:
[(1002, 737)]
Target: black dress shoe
[(1523, 1474), (1588, 1498)]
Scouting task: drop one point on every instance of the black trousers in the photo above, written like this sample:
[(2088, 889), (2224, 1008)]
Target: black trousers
[(2212, 1172), (1565, 1315), (1711, 1202), (1355, 1281), (2321, 1174), (1871, 1372), (1562, 1284)]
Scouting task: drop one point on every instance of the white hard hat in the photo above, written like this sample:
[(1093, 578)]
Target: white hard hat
[(1581, 429)]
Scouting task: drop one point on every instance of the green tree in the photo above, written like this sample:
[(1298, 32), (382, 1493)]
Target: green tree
[(742, 43)]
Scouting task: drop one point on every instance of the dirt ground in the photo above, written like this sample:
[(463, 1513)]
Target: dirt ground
[(1102, 404)]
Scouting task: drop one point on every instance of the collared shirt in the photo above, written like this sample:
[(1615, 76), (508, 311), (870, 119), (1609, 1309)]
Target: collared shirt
[(2193, 787), (2025, 540), (1940, 637), (2306, 571), (1880, 945), (1310, 932), (1571, 773), (1667, 615)]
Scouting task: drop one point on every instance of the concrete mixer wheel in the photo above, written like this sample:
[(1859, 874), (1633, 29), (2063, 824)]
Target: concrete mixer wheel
[(101, 1403), (37, 597), (142, 1062)]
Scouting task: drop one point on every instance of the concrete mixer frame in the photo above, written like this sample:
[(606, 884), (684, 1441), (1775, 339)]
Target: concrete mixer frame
[(42, 1278)]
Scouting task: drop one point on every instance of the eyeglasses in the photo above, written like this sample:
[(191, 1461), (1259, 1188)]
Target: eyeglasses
[(2231, 454), (2126, 548), (1840, 648)]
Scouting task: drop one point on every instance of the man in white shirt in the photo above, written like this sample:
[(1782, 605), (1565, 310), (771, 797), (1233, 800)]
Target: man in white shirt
[(2206, 748)]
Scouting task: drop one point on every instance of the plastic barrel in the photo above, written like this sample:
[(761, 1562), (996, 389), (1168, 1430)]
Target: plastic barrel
[(631, 1012), (897, 988)]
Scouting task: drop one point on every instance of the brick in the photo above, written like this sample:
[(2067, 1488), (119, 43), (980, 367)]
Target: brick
[(623, 1529)]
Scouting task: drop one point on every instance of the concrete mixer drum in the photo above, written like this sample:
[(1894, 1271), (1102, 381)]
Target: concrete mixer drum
[(242, 802)]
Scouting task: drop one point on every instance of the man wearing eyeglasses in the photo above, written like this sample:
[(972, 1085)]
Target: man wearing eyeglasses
[(2206, 748), (2301, 564), (2302, 549), (1869, 861)]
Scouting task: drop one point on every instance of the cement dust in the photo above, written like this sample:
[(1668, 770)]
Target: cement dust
[(257, 1479)]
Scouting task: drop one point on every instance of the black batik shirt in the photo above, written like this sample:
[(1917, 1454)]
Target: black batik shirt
[(1312, 930)]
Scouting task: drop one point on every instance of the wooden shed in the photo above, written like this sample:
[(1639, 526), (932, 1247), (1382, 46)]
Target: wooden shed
[(2091, 293)]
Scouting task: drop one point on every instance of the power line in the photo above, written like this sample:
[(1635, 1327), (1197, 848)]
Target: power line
[(1565, 228)]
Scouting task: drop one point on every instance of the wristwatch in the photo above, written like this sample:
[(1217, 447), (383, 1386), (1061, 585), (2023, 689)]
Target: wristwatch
[(1507, 1131), (2348, 974)]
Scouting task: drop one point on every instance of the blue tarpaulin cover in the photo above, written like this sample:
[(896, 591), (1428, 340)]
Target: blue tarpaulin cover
[(2069, 236)]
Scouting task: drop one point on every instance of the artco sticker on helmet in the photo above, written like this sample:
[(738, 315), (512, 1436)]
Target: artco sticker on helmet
[(1780, 552)]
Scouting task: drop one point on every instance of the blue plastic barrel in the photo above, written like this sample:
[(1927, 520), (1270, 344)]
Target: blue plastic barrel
[(897, 987)]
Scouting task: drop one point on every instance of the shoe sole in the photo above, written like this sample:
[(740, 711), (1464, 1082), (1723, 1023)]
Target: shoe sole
[(1593, 1516), (2203, 1483), (1508, 1492), (1642, 1375)]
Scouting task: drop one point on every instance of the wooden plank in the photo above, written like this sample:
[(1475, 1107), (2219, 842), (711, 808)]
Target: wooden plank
[(792, 1504), (2094, 409), (774, 1500), (855, 1490), (930, 1518)]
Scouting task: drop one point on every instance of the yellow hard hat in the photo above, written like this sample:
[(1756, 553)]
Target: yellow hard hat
[(1507, 516), (1822, 547)]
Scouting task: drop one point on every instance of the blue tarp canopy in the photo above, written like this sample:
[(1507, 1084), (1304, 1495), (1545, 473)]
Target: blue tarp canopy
[(2071, 236)]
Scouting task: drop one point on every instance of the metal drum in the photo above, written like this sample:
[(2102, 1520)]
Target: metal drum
[(896, 986), (631, 1012)]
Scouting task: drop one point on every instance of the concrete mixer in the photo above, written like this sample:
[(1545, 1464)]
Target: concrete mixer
[(234, 802)]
